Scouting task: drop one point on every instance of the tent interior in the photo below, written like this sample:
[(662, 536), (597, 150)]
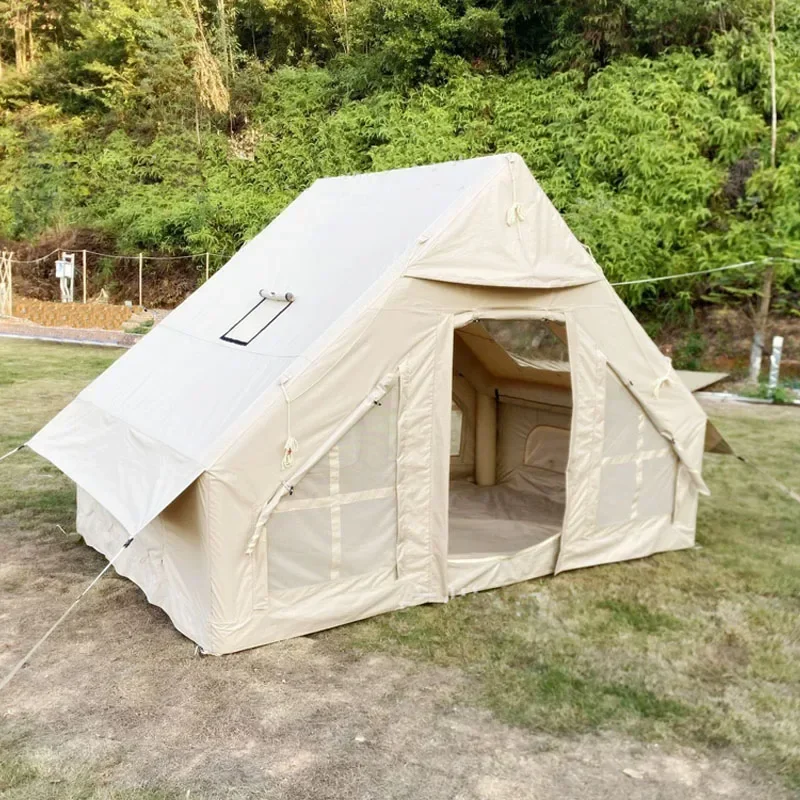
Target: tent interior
[(509, 436)]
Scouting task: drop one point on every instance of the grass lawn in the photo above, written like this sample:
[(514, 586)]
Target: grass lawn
[(700, 647)]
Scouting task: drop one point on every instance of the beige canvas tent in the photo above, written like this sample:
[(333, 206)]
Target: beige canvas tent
[(412, 384)]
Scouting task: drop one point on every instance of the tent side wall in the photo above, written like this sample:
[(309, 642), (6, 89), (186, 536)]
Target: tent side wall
[(193, 560), (169, 559), (409, 331), (637, 446), (399, 350)]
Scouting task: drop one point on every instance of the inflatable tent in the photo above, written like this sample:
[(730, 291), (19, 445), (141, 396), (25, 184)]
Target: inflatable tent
[(412, 384)]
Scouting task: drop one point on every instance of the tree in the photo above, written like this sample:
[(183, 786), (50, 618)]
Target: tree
[(760, 335)]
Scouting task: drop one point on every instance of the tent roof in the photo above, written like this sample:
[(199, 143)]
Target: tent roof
[(162, 414), (695, 380)]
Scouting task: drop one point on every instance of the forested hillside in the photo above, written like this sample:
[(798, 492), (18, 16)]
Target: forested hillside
[(187, 125)]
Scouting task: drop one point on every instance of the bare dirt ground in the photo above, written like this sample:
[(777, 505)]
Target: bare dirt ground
[(28, 330), (118, 699)]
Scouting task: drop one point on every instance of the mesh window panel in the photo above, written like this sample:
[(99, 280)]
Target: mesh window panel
[(621, 419), (299, 548), (327, 528), (657, 495), (369, 536), (530, 339), (368, 451), (653, 440), (617, 493), (316, 482)]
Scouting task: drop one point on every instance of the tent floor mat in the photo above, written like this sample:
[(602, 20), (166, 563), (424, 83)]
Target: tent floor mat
[(525, 509)]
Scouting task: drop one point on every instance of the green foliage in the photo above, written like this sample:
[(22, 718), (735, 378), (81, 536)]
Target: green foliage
[(690, 352), (646, 122), (785, 393), (142, 328)]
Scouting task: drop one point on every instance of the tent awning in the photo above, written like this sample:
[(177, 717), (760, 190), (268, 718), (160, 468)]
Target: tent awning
[(694, 380)]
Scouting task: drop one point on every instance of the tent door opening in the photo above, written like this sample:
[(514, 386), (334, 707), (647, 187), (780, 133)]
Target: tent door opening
[(509, 443)]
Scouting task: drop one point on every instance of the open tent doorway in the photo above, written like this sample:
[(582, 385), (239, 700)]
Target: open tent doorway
[(510, 433)]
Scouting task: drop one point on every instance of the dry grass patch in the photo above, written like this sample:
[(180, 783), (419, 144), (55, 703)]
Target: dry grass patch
[(36, 380)]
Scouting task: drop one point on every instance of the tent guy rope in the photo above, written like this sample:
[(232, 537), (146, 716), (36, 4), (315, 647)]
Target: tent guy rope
[(24, 660), (290, 447), (741, 265), (774, 481), (11, 452)]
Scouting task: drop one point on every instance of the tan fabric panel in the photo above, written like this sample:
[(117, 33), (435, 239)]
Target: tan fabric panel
[(626, 541), (695, 380), (169, 559), (586, 444), (423, 464), (686, 500), (475, 575), (315, 608), (516, 424), (531, 247), (715, 442), (547, 447)]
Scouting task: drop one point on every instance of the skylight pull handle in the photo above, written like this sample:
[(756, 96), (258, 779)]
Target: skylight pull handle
[(281, 297)]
